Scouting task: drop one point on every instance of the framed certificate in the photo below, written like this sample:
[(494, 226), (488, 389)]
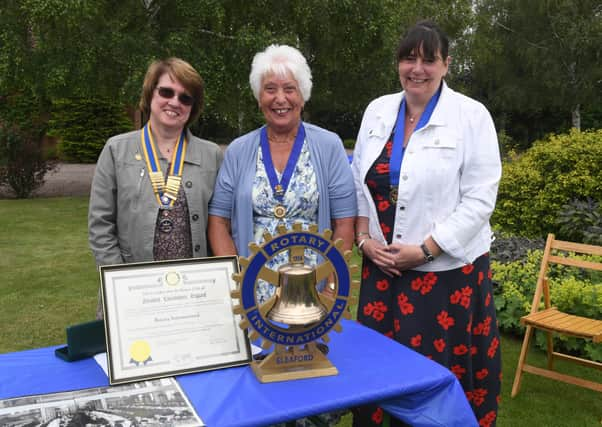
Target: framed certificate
[(168, 318)]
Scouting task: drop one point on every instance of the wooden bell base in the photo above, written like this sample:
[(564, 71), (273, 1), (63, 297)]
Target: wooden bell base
[(292, 363)]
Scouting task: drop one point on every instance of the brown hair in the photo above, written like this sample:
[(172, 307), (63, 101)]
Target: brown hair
[(179, 70)]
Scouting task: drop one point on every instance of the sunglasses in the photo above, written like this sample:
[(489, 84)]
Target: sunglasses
[(169, 93)]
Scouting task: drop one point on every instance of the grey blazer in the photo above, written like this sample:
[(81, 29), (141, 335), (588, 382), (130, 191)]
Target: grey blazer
[(123, 209)]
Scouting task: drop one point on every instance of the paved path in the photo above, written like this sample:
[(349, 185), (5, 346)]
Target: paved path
[(68, 179)]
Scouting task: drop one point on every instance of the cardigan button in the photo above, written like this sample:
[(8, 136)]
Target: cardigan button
[(195, 217), (197, 248), (188, 184)]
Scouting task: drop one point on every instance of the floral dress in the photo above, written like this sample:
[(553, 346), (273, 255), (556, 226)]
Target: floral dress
[(301, 203), (448, 316)]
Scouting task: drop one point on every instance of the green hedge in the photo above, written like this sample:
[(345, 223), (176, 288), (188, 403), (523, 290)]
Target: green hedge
[(84, 125), (572, 290), (537, 184)]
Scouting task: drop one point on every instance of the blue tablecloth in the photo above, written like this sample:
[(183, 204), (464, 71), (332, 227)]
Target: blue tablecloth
[(372, 368)]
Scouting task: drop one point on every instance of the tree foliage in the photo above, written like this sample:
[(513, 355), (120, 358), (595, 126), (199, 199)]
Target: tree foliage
[(537, 63), (530, 62), (74, 49)]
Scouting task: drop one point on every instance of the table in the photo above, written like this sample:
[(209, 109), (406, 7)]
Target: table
[(372, 368)]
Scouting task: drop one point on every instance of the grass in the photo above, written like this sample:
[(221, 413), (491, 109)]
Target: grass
[(49, 278), (49, 281)]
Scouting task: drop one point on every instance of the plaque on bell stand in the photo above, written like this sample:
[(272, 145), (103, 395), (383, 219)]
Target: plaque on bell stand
[(297, 317)]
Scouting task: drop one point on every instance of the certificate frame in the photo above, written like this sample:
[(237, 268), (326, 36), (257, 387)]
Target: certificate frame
[(166, 318)]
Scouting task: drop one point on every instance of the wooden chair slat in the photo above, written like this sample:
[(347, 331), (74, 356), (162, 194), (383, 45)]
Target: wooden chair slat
[(575, 262)]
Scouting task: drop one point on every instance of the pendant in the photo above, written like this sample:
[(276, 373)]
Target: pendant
[(393, 195), (278, 190), (279, 211), (166, 225)]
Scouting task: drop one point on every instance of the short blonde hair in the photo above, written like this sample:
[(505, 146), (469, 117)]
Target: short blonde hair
[(179, 70), (280, 60)]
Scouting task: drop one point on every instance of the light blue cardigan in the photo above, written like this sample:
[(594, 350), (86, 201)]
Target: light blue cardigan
[(233, 188)]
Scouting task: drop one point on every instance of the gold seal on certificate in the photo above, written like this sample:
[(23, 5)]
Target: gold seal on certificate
[(297, 316)]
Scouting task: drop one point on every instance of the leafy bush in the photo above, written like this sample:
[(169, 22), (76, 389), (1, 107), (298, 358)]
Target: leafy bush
[(508, 248), (23, 162), (536, 185), (572, 290), (581, 221), (84, 125), (24, 165)]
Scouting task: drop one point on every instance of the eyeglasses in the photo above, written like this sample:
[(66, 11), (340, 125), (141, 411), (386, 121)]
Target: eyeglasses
[(169, 93)]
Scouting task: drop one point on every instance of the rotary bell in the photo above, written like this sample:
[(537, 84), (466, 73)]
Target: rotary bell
[(298, 302)]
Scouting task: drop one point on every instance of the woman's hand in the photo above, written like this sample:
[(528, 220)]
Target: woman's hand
[(381, 256), (406, 257)]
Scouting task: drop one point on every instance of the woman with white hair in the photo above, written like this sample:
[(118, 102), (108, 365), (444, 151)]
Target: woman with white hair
[(285, 172)]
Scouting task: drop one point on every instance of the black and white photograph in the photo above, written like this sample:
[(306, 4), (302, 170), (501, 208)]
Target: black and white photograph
[(157, 403)]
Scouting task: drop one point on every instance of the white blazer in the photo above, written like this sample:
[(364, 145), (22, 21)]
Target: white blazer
[(448, 179)]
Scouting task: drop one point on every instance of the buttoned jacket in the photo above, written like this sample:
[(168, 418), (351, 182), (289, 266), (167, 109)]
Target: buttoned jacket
[(448, 179), (123, 208)]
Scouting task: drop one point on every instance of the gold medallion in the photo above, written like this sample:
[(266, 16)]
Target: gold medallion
[(393, 195), (279, 211)]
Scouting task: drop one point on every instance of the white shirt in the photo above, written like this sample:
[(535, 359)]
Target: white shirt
[(448, 179)]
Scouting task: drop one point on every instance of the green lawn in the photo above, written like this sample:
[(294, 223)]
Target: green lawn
[(49, 281)]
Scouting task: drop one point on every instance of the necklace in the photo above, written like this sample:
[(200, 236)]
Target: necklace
[(282, 140)]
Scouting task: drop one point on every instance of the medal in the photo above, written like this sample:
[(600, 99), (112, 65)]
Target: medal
[(165, 192), (279, 211), (393, 195), (278, 190), (165, 225), (279, 187)]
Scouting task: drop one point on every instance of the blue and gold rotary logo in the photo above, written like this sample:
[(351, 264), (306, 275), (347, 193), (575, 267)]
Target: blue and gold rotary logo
[(335, 269)]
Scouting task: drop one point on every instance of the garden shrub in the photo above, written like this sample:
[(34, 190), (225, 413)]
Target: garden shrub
[(508, 248), (23, 160), (536, 184), (84, 125), (581, 221), (572, 290)]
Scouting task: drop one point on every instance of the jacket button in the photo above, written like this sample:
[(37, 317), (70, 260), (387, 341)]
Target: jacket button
[(398, 236), (402, 208), (405, 177), (188, 184), (197, 248), (195, 217)]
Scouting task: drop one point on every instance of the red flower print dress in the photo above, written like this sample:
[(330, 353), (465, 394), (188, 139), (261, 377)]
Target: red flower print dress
[(448, 316)]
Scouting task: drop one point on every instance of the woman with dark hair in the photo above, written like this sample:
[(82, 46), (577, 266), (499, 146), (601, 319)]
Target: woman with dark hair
[(426, 168), (151, 187)]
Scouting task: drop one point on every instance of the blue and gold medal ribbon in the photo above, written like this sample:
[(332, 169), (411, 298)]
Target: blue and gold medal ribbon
[(279, 187), (166, 193), (398, 149)]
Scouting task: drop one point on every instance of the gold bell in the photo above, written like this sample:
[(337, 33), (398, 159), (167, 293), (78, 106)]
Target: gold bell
[(297, 302)]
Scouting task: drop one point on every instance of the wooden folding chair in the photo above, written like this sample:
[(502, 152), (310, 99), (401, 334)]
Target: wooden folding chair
[(551, 320)]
